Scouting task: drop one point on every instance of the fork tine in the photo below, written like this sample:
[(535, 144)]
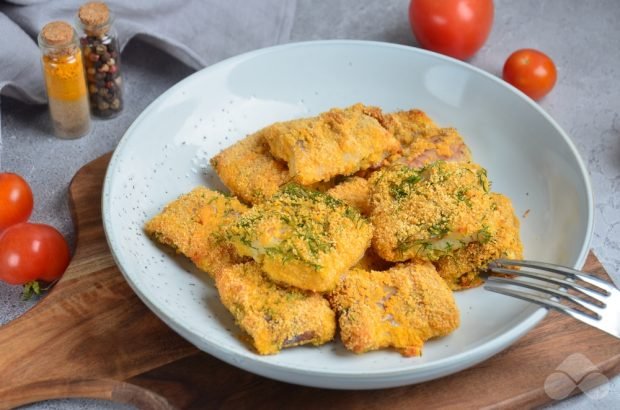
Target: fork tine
[(548, 303), (605, 316), (593, 293), (596, 309), (561, 270)]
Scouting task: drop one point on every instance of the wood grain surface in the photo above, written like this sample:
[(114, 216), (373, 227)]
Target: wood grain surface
[(92, 337)]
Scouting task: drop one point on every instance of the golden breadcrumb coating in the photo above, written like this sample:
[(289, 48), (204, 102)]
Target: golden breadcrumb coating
[(401, 308), (427, 212), (249, 170), (461, 269), (444, 144), (411, 125), (372, 261), (192, 225), (428, 205), (423, 142), (274, 316), (355, 191), (302, 238), (324, 186), (337, 142)]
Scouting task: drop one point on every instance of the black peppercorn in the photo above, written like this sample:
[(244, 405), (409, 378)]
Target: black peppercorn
[(101, 59)]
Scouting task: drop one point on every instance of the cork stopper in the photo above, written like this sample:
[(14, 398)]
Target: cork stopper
[(94, 13), (57, 33)]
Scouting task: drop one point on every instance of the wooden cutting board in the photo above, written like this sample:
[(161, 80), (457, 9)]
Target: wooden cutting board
[(92, 337)]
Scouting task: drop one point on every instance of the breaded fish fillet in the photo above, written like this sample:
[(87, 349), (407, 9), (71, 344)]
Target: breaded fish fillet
[(355, 191), (273, 316), (424, 213), (192, 226), (408, 126), (461, 269), (249, 170), (444, 144), (337, 142), (401, 308), (372, 261), (423, 142), (302, 238)]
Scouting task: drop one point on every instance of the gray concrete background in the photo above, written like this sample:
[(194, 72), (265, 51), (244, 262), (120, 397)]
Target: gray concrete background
[(582, 37)]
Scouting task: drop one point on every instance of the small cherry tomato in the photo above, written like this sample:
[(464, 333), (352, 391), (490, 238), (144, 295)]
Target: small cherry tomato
[(457, 28), (15, 200), (30, 252), (531, 71)]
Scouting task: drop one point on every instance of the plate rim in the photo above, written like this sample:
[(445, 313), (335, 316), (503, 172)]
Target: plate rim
[(264, 367)]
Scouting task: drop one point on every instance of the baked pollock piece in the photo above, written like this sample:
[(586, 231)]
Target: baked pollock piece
[(192, 226), (408, 126), (401, 308), (427, 212), (272, 316), (445, 144), (461, 269), (355, 191), (423, 142), (249, 170), (337, 142), (302, 238), (372, 261)]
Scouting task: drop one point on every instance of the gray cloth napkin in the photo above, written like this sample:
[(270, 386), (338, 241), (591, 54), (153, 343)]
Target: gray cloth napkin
[(197, 32)]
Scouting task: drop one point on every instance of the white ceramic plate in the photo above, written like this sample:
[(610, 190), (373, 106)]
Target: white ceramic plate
[(165, 153)]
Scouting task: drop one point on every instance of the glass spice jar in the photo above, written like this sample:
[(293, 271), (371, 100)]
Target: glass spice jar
[(101, 58), (63, 71)]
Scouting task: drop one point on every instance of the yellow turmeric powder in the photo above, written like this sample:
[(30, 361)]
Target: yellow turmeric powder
[(65, 81), (64, 76)]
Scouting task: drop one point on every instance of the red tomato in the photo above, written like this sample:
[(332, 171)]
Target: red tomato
[(531, 71), (457, 28), (15, 200), (31, 252)]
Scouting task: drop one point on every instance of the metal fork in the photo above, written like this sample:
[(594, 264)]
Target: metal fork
[(575, 293)]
